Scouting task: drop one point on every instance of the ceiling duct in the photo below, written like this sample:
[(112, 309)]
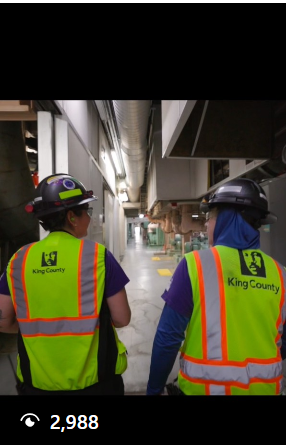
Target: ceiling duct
[(132, 119)]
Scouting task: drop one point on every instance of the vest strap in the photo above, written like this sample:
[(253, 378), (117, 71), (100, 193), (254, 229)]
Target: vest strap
[(24, 360), (108, 351)]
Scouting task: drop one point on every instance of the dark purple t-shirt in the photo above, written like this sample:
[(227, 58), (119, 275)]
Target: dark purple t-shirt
[(115, 280), (179, 294)]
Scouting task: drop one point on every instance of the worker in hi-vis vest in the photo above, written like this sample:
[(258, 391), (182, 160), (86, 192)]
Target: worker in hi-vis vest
[(225, 306), (65, 296)]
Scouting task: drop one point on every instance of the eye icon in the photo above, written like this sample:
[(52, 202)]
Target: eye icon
[(30, 419)]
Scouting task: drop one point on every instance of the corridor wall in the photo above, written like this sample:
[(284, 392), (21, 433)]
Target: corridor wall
[(87, 157)]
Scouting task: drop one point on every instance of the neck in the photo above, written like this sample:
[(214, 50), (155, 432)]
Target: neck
[(71, 230), (65, 229)]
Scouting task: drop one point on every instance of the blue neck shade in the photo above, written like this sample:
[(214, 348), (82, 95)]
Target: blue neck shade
[(232, 230)]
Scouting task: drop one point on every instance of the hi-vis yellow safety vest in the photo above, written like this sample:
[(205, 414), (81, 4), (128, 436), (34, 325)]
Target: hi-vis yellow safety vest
[(233, 339), (57, 287)]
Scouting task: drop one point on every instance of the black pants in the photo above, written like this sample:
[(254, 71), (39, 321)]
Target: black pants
[(114, 386)]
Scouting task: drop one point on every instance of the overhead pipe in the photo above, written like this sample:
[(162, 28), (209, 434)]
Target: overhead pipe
[(132, 120), (106, 115)]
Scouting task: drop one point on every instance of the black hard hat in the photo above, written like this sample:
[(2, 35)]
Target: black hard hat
[(58, 192), (243, 193)]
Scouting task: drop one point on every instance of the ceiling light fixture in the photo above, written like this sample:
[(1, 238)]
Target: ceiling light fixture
[(122, 185), (116, 162), (31, 150), (123, 196)]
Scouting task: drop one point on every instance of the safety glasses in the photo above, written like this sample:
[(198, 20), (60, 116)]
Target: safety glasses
[(89, 211)]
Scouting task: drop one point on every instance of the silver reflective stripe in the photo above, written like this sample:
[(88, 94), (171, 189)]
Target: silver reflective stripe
[(17, 282), (58, 327), (87, 284), (262, 196), (283, 310), (229, 188), (230, 373), (212, 304), (217, 390)]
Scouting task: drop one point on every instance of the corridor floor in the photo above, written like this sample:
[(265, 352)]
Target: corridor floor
[(149, 271)]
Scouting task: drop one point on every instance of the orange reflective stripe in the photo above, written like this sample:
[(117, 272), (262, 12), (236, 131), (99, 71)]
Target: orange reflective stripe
[(96, 278), (202, 303), (282, 299), (24, 281), (13, 282), (85, 317), (228, 390), (222, 303), (13, 275), (79, 278), (60, 334)]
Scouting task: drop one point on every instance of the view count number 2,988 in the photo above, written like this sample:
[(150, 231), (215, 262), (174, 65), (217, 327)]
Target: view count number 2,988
[(82, 422)]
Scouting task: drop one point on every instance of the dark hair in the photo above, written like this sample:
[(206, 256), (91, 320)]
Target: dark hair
[(57, 221)]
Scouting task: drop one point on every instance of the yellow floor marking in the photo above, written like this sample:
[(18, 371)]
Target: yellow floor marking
[(167, 258), (164, 272), (156, 258)]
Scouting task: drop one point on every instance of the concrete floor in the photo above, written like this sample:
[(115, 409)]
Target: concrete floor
[(7, 372), (149, 271)]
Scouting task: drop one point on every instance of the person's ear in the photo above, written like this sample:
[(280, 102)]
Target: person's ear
[(71, 218)]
